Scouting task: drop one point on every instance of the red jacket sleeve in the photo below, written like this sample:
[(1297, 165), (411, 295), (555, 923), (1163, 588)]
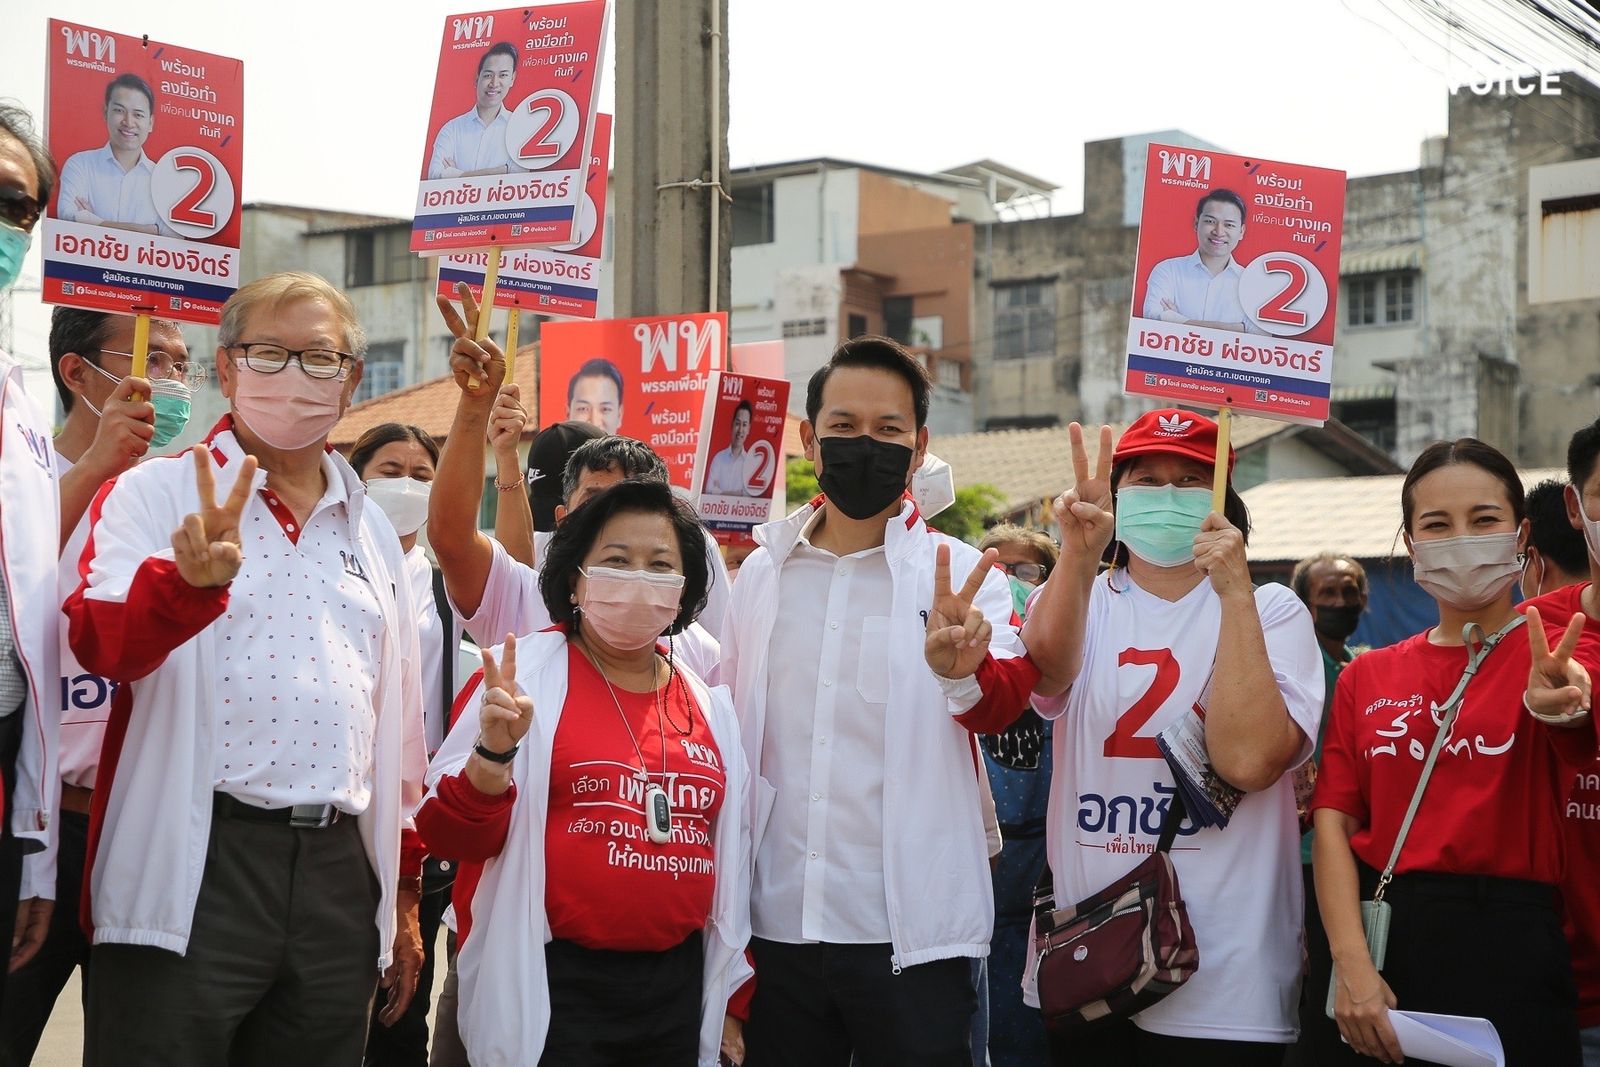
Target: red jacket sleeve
[(1006, 685), (457, 822), (124, 640), (739, 1003), (412, 852)]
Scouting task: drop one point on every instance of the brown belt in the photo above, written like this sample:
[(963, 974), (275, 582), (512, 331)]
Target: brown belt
[(75, 798)]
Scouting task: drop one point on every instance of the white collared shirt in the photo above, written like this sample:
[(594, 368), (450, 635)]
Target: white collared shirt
[(471, 144), (113, 194), (1199, 294), (299, 659), (730, 472), (819, 865)]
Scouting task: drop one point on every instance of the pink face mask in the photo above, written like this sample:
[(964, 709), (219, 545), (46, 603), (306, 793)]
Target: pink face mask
[(288, 409), (628, 610)]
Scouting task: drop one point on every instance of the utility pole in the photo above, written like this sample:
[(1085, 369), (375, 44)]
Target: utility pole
[(672, 157)]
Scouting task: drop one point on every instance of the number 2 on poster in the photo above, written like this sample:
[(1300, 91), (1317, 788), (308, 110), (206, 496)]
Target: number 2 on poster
[(1125, 742), (1284, 292), (543, 129), (192, 192), (188, 208)]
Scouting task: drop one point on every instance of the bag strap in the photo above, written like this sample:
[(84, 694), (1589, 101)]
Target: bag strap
[(1478, 649), (447, 623), (1044, 893)]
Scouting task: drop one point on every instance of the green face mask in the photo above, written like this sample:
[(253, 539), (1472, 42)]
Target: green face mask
[(171, 401), (1020, 592), (1158, 523)]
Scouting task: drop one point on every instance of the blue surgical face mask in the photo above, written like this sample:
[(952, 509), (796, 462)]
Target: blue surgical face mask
[(1159, 523), (14, 244), (170, 398)]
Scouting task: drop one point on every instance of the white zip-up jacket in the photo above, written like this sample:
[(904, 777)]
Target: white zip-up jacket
[(935, 851), (504, 1013), (151, 816), (30, 539)]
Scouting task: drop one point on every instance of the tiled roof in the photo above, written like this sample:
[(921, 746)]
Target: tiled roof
[(1359, 517)]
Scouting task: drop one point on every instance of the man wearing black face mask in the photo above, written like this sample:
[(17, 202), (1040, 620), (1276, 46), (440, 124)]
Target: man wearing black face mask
[(1334, 587)]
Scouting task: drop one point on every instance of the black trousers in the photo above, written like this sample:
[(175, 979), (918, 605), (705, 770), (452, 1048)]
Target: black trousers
[(30, 993), (1125, 1045), (405, 1044), (624, 1009), (816, 1004), (10, 847), (281, 964), (1317, 1031), (1489, 947)]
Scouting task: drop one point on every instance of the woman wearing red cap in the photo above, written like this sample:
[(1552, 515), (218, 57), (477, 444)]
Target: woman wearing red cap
[(1175, 624)]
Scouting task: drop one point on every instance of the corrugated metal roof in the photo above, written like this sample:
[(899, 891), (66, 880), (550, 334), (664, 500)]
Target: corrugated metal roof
[(1406, 255), (1358, 517)]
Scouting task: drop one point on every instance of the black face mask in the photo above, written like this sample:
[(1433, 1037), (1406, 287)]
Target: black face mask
[(1336, 623), (862, 476)]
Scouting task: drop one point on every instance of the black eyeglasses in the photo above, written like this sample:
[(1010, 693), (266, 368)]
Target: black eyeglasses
[(1033, 573), (265, 358), (19, 209)]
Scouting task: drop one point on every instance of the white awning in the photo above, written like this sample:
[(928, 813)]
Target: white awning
[(1391, 257)]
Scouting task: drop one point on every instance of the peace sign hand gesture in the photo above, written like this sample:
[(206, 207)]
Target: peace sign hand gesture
[(507, 711), (958, 634), (1558, 686), (206, 546), (1084, 511), (478, 366)]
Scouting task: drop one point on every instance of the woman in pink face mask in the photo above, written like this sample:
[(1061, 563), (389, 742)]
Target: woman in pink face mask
[(606, 782)]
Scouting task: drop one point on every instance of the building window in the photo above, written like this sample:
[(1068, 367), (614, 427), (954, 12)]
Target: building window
[(1568, 240), (383, 371), (1381, 299), (855, 326), (752, 215), (1025, 320), (897, 319), (804, 327), (948, 373), (380, 257)]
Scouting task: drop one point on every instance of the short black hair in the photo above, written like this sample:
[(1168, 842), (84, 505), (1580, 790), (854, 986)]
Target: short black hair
[(745, 406), (1550, 531), (1300, 579), (79, 331), (637, 461), (573, 539), (596, 368), (1582, 451), (16, 121), (1226, 196), (134, 82), (387, 433), (876, 353), (500, 48), (1467, 450)]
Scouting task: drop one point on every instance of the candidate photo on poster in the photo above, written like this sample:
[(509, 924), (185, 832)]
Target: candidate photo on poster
[(110, 185), (1202, 288), (475, 143), (594, 395), (730, 470)]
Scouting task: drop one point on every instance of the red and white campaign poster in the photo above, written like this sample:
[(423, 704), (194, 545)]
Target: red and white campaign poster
[(642, 378), (145, 214), (738, 468), (1236, 286), (510, 132), (563, 280)]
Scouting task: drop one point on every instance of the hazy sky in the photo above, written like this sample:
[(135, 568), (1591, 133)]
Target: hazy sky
[(922, 85)]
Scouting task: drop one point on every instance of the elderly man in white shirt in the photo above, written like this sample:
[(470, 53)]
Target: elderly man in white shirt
[(110, 185), (475, 143), (1202, 288)]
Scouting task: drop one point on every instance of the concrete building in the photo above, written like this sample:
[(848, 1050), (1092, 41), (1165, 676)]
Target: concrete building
[(1469, 300)]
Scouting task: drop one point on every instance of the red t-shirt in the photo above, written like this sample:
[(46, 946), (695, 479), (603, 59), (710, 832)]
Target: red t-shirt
[(607, 885), (1580, 883), (1493, 806)]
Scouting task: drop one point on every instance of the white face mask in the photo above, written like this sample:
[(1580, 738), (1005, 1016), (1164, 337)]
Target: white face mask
[(1467, 572), (1591, 527), (404, 500), (933, 486)]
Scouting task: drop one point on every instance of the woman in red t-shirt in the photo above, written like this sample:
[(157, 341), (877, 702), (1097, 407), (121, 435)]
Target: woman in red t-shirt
[(1475, 928), (603, 788)]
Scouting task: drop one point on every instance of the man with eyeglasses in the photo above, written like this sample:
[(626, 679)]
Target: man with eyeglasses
[(475, 143), (253, 869), (1202, 288), (110, 185)]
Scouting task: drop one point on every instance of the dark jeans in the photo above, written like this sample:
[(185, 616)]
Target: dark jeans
[(1488, 947), (815, 1004), (1125, 1045), (10, 848), (281, 964), (624, 1009), (31, 992), (405, 1044)]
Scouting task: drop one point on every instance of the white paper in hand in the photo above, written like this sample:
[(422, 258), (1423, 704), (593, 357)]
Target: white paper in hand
[(1452, 1040)]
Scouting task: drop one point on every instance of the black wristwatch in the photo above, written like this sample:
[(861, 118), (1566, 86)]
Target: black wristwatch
[(496, 757)]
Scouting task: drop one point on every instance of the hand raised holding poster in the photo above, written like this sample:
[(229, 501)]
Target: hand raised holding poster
[(477, 366)]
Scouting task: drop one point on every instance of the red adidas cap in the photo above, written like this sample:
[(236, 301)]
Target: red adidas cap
[(1183, 433)]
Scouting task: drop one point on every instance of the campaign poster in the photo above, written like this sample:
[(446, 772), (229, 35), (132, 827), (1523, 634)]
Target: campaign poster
[(149, 136), (1236, 283), (563, 280), (641, 378), (511, 128), (739, 464)]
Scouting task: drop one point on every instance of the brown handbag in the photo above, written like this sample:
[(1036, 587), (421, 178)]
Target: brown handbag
[(1117, 952)]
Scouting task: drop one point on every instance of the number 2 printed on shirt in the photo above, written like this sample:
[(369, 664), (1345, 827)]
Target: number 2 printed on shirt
[(1124, 741)]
